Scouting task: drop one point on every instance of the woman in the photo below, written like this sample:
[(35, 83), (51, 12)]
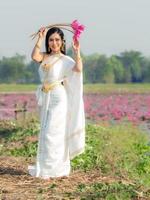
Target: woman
[(60, 102)]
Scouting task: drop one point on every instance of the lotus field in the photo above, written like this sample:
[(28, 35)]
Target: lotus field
[(98, 107), (116, 161)]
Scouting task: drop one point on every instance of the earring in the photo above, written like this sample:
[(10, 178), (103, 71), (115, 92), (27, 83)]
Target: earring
[(49, 49), (63, 46)]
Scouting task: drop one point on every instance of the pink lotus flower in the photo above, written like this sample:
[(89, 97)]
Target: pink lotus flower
[(78, 29)]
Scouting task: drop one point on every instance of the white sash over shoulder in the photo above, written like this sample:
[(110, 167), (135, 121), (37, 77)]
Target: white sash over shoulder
[(76, 116)]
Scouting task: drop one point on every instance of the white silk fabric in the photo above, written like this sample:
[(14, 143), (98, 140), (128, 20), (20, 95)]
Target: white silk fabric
[(62, 120)]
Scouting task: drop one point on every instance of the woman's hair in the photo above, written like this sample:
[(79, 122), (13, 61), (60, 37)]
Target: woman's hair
[(49, 33)]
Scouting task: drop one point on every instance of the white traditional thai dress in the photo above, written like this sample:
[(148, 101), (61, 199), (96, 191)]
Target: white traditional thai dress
[(62, 119)]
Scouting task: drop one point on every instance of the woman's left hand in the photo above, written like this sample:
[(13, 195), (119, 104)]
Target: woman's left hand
[(76, 46)]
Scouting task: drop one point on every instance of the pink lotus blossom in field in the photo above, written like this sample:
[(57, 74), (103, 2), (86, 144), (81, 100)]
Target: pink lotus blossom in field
[(132, 107), (98, 107)]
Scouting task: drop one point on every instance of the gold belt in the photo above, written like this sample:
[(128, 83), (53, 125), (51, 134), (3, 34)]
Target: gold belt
[(46, 87)]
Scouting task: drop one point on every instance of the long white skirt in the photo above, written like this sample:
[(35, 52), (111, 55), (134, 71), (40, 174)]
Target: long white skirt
[(52, 154)]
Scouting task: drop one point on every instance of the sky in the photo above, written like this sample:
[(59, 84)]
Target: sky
[(112, 26)]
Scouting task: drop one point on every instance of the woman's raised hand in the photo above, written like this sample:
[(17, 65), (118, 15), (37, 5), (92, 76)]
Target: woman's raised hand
[(76, 46), (42, 32)]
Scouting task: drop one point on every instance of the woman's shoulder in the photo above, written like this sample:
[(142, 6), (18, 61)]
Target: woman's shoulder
[(45, 55), (68, 58)]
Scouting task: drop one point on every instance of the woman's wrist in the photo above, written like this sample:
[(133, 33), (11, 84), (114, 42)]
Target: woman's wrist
[(41, 37), (39, 43), (76, 53), (77, 56), (37, 46)]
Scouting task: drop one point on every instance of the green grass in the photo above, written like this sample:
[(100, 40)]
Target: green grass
[(17, 87), (121, 151), (117, 88), (88, 88), (107, 191)]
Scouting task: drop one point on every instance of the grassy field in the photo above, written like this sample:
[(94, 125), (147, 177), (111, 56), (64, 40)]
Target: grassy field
[(88, 88), (115, 165), (117, 88)]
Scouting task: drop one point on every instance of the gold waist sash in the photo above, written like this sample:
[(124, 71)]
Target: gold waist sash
[(46, 87)]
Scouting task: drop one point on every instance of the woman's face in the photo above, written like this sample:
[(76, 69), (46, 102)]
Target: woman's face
[(55, 42)]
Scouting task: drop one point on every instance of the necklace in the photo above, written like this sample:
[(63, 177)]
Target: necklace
[(47, 66), (56, 54)]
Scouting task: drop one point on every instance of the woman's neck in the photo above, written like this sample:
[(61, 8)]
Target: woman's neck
[(56, 53)]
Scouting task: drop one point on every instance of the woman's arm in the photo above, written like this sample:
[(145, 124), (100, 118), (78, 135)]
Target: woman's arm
[(37, 55), (77, 57)]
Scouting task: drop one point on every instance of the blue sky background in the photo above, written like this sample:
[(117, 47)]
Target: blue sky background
[(112, 26)]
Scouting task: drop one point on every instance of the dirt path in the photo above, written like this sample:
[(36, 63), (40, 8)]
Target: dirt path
[(16, 184)]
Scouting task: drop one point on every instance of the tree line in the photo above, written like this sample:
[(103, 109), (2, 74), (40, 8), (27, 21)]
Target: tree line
[(127, 67)]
